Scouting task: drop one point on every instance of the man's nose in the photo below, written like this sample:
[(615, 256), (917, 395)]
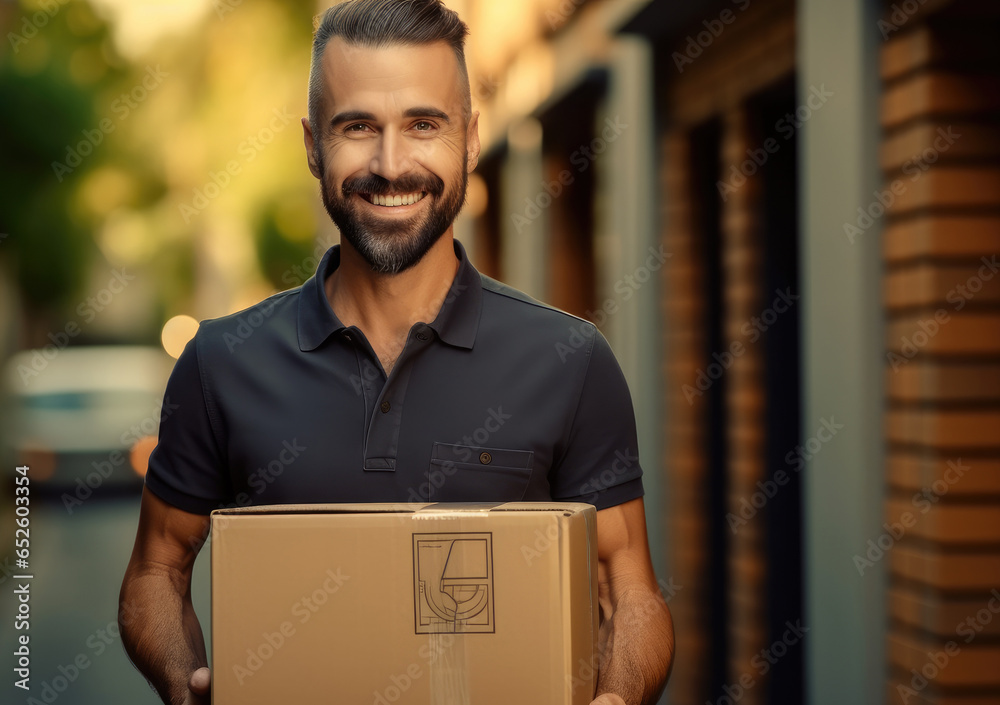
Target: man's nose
[(393, 157)]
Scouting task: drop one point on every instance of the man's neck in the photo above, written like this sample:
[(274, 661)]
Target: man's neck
[(385, 306)]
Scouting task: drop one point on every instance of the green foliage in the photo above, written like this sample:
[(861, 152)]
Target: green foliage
[(283, 261), (46, 113), (63, 179)]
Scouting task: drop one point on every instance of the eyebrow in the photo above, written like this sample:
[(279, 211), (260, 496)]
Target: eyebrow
[(350, 116), (427, 112), (419, 111)]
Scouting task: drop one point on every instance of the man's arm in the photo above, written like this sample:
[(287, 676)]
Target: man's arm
[(636, 639), (158, 625)]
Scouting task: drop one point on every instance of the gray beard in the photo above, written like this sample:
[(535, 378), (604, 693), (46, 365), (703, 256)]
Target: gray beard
[(394, 247)]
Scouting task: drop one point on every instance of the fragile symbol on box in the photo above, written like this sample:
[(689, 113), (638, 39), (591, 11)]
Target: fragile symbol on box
[(453, 583)]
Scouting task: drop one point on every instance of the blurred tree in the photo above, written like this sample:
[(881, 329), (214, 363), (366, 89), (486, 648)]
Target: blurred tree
[(109, 145), (284, 237), (46, 127)]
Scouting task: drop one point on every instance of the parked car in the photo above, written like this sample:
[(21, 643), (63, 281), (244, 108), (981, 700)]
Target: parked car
[(84, 419)]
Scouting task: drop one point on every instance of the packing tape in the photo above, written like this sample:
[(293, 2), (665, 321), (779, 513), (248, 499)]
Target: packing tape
[(449, 675)]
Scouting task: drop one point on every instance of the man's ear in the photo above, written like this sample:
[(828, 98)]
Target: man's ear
[(307, 136), (472, 140)]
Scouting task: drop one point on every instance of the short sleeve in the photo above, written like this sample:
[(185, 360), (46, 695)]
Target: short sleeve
[(600, 464), (186, 468)]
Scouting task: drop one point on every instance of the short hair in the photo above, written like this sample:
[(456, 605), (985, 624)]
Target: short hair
[(380, 23)]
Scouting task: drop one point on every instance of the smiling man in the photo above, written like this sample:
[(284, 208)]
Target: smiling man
[(398, 372)]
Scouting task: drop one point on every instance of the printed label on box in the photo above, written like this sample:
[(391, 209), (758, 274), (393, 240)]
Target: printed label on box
[(453, 583)]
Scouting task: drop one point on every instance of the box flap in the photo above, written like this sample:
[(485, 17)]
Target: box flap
[(567, 508)]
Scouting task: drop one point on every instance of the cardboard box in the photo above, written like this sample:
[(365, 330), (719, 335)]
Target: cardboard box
[(404, 603)]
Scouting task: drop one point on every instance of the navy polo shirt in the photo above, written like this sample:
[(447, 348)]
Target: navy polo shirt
[(499, 398)]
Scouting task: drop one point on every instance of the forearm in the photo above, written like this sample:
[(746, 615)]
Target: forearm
[(160, 630), (636, 646)]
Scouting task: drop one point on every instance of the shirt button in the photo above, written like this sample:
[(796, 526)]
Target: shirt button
[(485, 458), (422, 336), (385, 406)]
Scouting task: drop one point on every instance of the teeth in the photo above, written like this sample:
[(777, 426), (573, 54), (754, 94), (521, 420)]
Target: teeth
[(393, 201)]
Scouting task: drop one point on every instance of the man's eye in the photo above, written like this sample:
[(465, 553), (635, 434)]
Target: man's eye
[(423, 126), (359, 127)]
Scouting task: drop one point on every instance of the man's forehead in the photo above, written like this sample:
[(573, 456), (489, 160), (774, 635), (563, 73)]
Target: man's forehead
[(356, 73)]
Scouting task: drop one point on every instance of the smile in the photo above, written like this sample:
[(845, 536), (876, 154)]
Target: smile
[(390, 201)]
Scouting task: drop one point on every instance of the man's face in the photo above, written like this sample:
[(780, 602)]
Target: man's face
[(394, 151)]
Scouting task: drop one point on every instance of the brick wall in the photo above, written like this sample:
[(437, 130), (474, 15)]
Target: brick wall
[(744, 400), (753, 52), (940, 156), (686, 464)]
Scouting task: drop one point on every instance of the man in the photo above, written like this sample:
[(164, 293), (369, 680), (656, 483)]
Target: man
[(397, 373)]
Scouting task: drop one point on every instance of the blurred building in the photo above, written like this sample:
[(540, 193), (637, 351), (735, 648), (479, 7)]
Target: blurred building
[(784, 217)]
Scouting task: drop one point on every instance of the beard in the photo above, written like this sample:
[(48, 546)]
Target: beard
[(391, 246)]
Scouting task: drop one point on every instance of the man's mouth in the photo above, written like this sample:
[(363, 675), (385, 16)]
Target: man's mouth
[(391, 201)]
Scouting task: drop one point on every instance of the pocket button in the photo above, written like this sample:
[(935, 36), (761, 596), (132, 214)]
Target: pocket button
[(485, 458)]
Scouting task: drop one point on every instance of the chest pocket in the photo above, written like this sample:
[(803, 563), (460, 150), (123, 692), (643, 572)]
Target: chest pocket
[(461, 473)]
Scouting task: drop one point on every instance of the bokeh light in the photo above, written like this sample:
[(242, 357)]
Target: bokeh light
[(176, 334), (139, 455), (477, 195)]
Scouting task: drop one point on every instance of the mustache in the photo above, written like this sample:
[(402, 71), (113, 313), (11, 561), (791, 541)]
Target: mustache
[(376, 185)]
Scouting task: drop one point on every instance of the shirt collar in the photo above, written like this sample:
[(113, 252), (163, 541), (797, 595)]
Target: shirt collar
[(456, 324)]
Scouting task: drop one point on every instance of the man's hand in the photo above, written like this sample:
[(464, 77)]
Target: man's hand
[(199, 686), (636, 640), (166, 644)]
